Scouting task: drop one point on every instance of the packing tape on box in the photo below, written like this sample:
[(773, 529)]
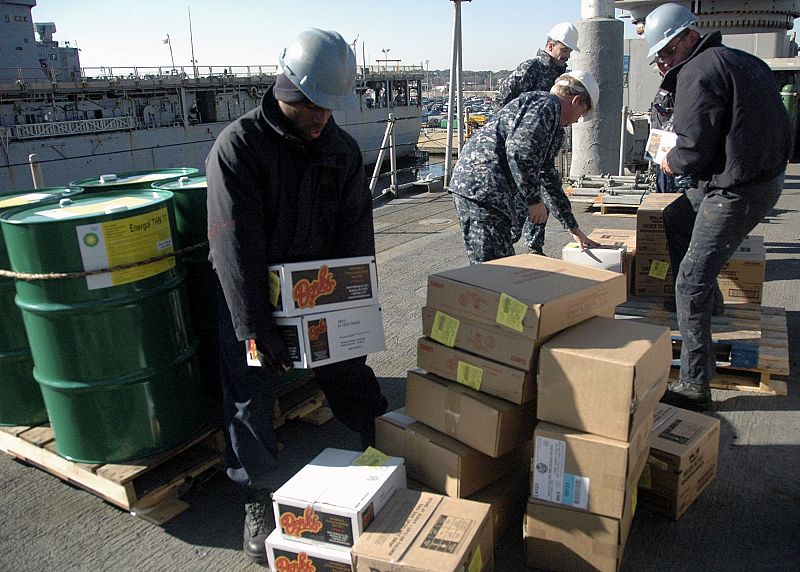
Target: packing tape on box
[(415, 448), (452, 412)]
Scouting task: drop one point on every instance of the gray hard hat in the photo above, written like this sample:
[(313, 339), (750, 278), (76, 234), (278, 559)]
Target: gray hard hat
[(322, 65), (664, 23)]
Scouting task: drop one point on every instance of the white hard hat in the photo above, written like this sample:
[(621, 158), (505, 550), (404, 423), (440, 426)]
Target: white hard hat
[(592, 89), (565, 33), (664, 23), (322, 65)]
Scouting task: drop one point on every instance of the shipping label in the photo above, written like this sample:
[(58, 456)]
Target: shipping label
[(550, 482), (445, 329)]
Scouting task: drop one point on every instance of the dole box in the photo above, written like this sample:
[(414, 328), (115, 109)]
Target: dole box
[(336, 496), (322, 285)]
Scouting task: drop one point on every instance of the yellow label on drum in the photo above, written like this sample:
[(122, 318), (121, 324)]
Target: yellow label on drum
[(126, 241)]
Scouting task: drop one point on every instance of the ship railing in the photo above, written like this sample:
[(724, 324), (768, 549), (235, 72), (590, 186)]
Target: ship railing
[(390, 70), (178, 72), (83, 126)]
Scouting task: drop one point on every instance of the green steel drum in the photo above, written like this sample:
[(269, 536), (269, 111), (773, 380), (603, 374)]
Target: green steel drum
[(113, 353), (190, 192), (130, 180), (20, 399)]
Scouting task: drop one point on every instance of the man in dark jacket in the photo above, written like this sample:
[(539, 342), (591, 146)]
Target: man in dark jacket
[(734, 136), (285, 184), (515, 154), (537, 74)]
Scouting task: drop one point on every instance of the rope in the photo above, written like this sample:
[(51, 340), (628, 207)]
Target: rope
[(26, 277)]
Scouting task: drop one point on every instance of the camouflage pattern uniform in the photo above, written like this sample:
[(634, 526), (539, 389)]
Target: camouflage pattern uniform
[(514, 153), (537, 74)]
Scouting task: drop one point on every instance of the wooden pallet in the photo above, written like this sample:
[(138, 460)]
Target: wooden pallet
[(620, 207), (300, 398), (149, 488), (750, 340)]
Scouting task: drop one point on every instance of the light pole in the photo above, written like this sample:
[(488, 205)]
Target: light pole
[(427, 77), (166, 41), (385, 59)]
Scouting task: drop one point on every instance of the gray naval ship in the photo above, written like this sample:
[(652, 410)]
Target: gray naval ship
[(83, 122)]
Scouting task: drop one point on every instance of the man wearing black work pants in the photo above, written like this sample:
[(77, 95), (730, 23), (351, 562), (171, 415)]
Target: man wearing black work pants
[(735, 137)]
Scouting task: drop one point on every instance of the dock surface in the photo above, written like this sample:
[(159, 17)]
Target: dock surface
[(749, 518)]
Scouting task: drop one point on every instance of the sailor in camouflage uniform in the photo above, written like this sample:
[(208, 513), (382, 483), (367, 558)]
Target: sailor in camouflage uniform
[(515, 154), (537, 74)]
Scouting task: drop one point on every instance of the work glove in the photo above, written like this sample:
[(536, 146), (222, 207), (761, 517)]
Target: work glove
[(271, 351)]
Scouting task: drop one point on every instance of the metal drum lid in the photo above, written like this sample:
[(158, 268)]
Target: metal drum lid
[(131, 179)]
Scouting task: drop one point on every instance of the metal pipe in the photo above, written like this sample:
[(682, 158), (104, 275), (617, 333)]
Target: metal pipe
[(448, 167), (393, 158), (36, 171), (622, 131), (459, 84), (376, 171)]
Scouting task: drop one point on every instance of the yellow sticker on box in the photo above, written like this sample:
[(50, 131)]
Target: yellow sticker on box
[(372, 458), (659, 269), (445, 329), (469, 375), (476, 562), (511, 312), (274, 289)]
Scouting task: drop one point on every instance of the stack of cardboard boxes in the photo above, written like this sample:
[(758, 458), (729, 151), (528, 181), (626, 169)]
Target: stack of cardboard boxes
[(741, 279), (653, 276), (470, 411), (326, 310), (598, 385), (323, 509)]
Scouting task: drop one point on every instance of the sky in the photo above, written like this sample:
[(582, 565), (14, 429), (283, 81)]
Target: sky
[(497, 34)]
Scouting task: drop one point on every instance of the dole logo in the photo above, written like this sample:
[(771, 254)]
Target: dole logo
[(302, 564), (296, 525), (316, 330), (306, 293)]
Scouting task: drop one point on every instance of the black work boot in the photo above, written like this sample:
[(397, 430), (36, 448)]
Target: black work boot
[(258, 523), (538, 250), (687, 395)]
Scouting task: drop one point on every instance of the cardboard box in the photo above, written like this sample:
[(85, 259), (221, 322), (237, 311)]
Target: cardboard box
[(507, 496), (423, 532), (480, 374), (620, 237), (534, 296), (607, 257), (490, 341), (653, 276), (320, 339), (322, 285), (650, 237), (492, 426), (603, 376), (682, 461), (333, 498), (439, 461), (288, 555), (558, 538), (586, 471), (742, 277)]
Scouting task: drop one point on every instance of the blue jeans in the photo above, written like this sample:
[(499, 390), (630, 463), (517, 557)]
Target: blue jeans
[(703, 232)]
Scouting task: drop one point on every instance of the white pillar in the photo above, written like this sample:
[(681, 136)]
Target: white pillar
[(595, 145)]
